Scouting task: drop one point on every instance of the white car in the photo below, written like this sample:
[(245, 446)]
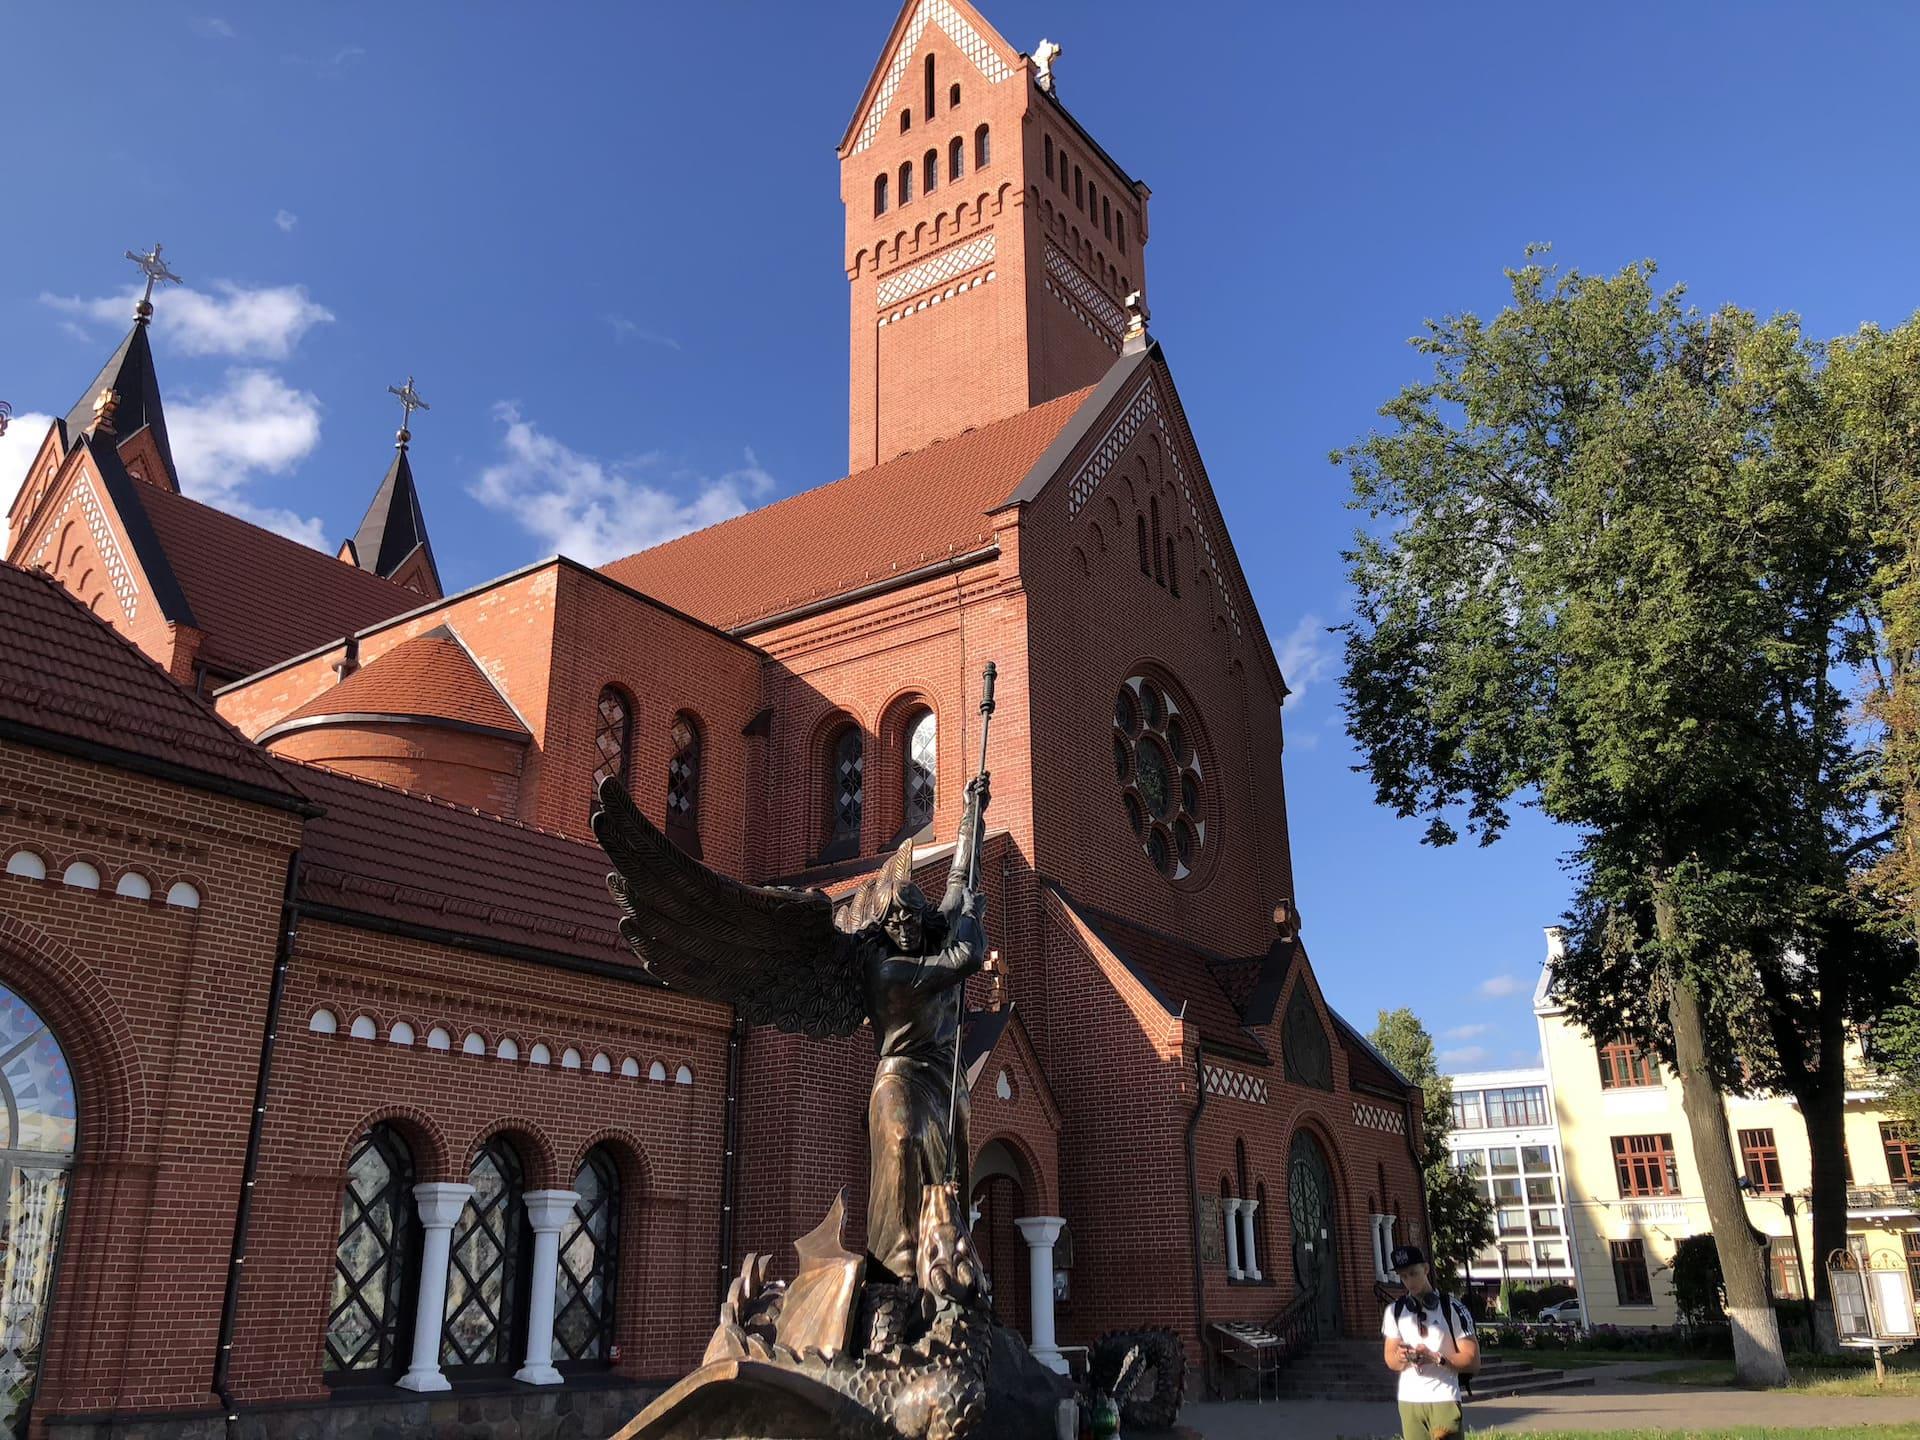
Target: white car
[(1567, 1312)]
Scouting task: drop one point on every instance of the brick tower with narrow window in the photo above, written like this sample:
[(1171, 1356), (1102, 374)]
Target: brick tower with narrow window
[(991, 242)]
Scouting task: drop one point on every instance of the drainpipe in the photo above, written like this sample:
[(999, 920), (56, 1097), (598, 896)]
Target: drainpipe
[(736, 1056), (237, 1259), (1193, 1205)]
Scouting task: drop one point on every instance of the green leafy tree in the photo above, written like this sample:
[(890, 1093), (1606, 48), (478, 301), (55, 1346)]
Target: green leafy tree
[(1562, 602), (1459, 1215)]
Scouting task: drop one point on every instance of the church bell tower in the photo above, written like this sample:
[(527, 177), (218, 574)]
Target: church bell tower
[(991, 242)]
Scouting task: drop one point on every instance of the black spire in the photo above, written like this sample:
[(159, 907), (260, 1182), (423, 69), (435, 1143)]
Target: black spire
[(393, 527), (129, 374)]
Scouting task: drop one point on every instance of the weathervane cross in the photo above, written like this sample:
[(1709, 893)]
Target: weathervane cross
[(410, 401), (156, 271)]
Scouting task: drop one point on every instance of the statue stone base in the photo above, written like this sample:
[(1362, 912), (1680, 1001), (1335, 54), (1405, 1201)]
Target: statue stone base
[(850, 1351)]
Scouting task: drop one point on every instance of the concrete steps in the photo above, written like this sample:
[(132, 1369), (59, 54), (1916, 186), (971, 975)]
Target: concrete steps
[(1350, 1369)]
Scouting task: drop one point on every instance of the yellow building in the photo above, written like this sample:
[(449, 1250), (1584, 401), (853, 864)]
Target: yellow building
[(1633, 1191)]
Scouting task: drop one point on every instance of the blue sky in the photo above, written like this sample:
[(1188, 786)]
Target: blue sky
[(607, 242)]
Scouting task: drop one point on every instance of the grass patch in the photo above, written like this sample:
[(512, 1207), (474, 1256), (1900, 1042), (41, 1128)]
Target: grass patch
[(1573, 1359), (1806, 1377), (1903, 1431)]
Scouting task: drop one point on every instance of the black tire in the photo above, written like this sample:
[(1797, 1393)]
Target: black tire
[(1155, 1404)]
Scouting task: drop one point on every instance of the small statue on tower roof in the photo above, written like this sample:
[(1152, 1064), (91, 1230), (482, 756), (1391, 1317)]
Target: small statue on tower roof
[(1044, 54)]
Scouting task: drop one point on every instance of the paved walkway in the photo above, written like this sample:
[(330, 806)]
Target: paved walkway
[(1614, 1402)]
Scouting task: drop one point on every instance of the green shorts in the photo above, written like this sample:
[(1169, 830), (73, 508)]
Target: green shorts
[(1431, 1419)]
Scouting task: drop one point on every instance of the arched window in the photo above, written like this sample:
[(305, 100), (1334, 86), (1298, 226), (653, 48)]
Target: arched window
[(1046, 154), (583, 1299), (845, 776), (953, 96), (929, 96), (134, 886), (81, 876), (1079, 189), (1093, 201), (1120, 233), (683, 785), (486, 1302), (37, 1130), (1063, 173), (374, 1261), (880, 193), (930, 172), (921, 754), (1106, 218), (613, 739), (906, 182), (1146, 562), (27, 865), (906, 120), (1153, 508), (1173, 570), (956, 159), (982, 148)]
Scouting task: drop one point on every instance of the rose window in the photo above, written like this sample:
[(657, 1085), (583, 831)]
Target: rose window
[(1158, 768)]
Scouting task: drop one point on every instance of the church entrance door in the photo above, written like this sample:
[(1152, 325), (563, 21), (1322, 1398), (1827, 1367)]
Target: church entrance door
[(1310, 1204), (1003, 1200)]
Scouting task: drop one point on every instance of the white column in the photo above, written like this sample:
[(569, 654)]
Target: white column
[(1248, 1208), (1040, 1232), (547, 1212), (1230, 1212), (439, 1203)]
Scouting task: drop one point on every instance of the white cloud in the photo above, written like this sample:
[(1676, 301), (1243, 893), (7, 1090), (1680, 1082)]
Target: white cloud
[(1306, 658), (593, 510), (1498, 987), (1467, 1032), (625, 330), (285, 219), (1465, 1055), (257, 424), (212, 27), (263, 322), (18, 446)]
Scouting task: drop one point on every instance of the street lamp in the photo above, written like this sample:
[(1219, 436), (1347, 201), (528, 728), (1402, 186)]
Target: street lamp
[(1745, 1183)]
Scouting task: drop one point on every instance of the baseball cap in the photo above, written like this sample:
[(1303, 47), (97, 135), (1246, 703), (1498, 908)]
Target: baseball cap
[(1405, 1255)]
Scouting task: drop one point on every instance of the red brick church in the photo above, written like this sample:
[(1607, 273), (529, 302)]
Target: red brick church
[(335, 1101)]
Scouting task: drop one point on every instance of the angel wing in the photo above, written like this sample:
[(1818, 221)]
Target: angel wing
[(774, 954)]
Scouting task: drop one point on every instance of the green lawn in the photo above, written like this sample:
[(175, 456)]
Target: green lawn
[(1903, 1378), (1906, 1431), (1571, 1359)]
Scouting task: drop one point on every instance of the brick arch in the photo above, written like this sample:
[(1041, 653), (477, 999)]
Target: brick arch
[(426, 1141), (110, 1090), (1322, 1128), (536, 1150), (629, 1158), (1034, 1181), (817, 768)]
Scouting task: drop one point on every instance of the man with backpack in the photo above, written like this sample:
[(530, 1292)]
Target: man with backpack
[(1429, 1341)]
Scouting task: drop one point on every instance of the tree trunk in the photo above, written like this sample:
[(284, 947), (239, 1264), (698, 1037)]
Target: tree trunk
[(1757, 1355), (1823, 1107)]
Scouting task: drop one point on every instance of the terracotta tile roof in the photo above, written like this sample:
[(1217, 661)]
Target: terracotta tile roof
[(257, 596), (431, 675), (65, 674), (1181, 974), (900, 515), (396, 856)]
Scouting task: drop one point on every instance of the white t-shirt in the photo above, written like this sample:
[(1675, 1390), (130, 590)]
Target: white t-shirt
[(1420, 1325)]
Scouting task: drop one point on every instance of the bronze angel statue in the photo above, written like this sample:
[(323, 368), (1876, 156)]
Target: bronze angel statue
[(795, 959)]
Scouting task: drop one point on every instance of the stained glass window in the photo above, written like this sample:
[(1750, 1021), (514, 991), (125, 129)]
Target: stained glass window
[(613, 740), (918, 779), (1309, 1059), (845, 779), (372, 1259), (484, 1274), (683, 784), (1158, 766), (37, 1088), (583, 1309)]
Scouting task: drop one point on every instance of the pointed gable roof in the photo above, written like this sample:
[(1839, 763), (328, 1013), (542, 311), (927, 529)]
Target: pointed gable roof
[(129, 373), (430, 677), (995, 59), (393, 527), (922, 508)]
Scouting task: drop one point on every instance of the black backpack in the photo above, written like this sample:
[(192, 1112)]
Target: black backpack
[(1404, 1307)]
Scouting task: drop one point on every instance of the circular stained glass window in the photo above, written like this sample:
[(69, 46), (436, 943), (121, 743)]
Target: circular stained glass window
[(1161, 777)]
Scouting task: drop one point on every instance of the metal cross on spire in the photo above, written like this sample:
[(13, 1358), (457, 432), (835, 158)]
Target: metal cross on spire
[(410, 401), (156, 271)]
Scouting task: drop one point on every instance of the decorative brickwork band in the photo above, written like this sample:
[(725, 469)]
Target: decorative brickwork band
[(1379, 1117), (972, 43), (1146, 407), (1078, 292), (929, 273), (104, 542), (1236, 1085)]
